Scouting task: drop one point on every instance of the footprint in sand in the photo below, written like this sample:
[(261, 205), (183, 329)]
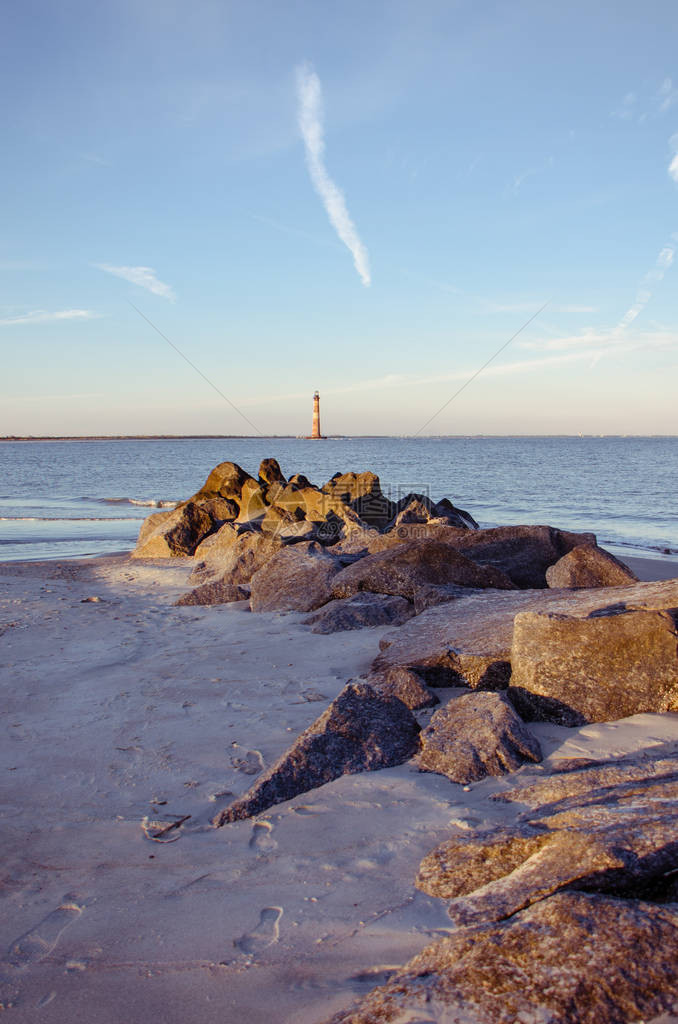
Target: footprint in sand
[(262, 841), (36, 944), (250, 764), (265, 934)]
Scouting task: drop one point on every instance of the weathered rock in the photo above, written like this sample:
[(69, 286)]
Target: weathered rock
[(572, 959), (225, 481), (311, 501), (222, 510), (300, 481), (216, 547), (430, 595), (463, 643), (270, 472), (475, 735), (406, 685), (354, 537), (416, 509), (237, 559), (360, 731), (253, 503), (589, 786), (153, 524), (175, 533), (444, 509), (406, 567), (277, 519), (609, 665), (523, 553), (609, 828), (359, 611), (215, 593), (587, 565), (362, 491), (295, 579), (467, 642)]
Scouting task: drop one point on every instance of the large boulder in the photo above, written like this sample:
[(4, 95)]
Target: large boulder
[(362, 491), (354, 537), (416, 509), (467, 641), (609, 828), (271, 473), (295, 579), (359, 611), (216, 547), (524, 553), (403, 569), (225, 481), (175, 533), (587, 565), (253, 504), (575, 958), (475, 735), (360, 731), (237, 559), (606, 666)]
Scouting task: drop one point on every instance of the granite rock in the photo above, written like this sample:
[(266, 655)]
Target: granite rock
[(609, 828), (587, 565), (575, 958), (295, 579), (608, 665), (406, 685), (361, 730), (403, 569), (476, 735), (467, 642), (359, 611), (177, 532)]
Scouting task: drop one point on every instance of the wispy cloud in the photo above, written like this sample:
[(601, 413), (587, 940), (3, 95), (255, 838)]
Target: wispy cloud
[(605, 339), (644, 293), (666, 96), (144, 277), (41, 316), (635, 108), (673, 166), (310, 116)]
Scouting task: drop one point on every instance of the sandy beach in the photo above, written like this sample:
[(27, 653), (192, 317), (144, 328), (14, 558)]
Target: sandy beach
[(127, 724)]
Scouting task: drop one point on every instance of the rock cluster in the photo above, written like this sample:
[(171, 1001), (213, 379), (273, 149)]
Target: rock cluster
[(534, 623), (298, 546), (549, 910)]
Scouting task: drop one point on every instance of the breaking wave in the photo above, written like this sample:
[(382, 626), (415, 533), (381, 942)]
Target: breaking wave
[(143, 502)]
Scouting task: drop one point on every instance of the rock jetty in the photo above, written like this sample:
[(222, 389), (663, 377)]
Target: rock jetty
[(532, 623)]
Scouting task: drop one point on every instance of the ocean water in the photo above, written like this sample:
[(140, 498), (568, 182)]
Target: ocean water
[(63, 499)]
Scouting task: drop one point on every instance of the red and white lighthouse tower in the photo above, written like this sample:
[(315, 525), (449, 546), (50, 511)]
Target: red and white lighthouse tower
[(315, 431)]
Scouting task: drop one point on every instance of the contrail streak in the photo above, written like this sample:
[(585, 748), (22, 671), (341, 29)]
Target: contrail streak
[(310, 115)]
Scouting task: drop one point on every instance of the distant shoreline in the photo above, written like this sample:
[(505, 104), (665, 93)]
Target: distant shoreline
[(10, 439)]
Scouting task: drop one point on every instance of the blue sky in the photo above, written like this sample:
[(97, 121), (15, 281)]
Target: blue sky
[(368, 199)]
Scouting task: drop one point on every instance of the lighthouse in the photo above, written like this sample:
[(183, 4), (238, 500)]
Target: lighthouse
[(315, 431)]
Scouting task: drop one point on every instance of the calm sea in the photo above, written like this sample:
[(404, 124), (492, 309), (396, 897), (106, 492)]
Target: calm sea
[(63, 499)]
